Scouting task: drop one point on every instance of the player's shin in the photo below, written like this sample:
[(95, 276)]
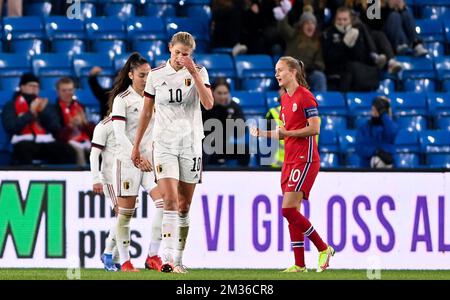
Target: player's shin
[(183, 230), (169, 227), (123, 233), (156, 236)]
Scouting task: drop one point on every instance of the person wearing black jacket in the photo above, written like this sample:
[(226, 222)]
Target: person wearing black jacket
[(33, 125), (99, 92)]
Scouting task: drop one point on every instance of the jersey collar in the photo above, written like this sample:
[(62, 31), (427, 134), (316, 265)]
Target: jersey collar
[(130, 88)]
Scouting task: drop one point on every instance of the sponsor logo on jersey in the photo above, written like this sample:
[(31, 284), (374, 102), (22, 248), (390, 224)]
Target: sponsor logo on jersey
[(187, 82)]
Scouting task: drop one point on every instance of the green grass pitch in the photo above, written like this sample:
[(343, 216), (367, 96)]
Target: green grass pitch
[(222, 274)]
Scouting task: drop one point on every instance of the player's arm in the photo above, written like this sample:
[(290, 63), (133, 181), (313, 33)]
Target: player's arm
[(144, 120), (97, 146), (201, 83), (313, 128)]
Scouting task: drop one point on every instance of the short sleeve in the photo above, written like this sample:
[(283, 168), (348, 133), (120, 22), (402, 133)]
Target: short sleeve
[(205, 77), (310, 105), (149, 90), (119, 109), (99, 137)]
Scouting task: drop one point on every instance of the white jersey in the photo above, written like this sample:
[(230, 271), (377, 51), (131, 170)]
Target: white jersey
[(104, 140), (127, 106), (178, 120)]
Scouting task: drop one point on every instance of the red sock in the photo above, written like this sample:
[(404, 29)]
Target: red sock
[(295, 218), (298, 244)]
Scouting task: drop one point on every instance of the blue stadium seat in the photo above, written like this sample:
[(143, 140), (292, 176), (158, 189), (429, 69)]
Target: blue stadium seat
[(407, 141), (443, 67), (196, 27), (352, 160), (88, 10), (218, 65), (435, 12), (347, 140), (423, 85), (161, 59), (50, 94), (359, 104), (252, 103), (146, 28), (416, 67), (38, 9), (9, 83), (272, 99), (435, 49), (159, 10), (408, 103), (446, 85), (447, 30), (443, 123), (331, 103), (258, 84), (83, 64), (329, 160), (14, 64), (52, 64), (199, 11), (438, 160), (337, 123), (328, 141), (86, 97), (430, 30), (406, 160), (439, 104), (123, 11), (22, 28), (162, 1), (150, 49), (109, 47), (59, 27), (71, 47), (49, 82), (120, 60), (105, 28), (386, 86), (418, 123), (255, 72), (5, 96), (27, 47), (435, 141)]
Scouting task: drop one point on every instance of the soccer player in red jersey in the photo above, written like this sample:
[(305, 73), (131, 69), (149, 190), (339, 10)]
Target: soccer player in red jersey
[(301, 124)]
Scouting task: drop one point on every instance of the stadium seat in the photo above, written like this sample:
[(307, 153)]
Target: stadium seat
[(435, 12), (255, 72), (329, 160), (272, 99), (386, 86), (83, 64), (50, 94), (202, 12), (5, 96), (328, 141), (9, 83), (443, 123), (52, 64), (120, 60), (408, 103), (28, 47), (86, 97), (331, 103), (435, 49), (123, 11), (423, 85), (109, 47), (359, 104), (337, 123), (218, 65), (14, 64), (22, 28), (105, 28), (161, 59), (430, 30), (438, 160), (406, 160), (38, 9), (443, 67), (71, 47), (146, 28), (417, 123), (446, 85), (352, 160), (407, 141), (435, 141), (439, 104), (196, 27), (59, 27), (159, 10), (88, 10), (447, 30), (162, 1), (252, 103), (150, 49), (416, 67), (347, 140)]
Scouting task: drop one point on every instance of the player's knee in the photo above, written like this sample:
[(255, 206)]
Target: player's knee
[(289, 213), (183, 207), (170, 204)]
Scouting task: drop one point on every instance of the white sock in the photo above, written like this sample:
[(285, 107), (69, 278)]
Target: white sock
[(155, 241), (110, 240), (183, 230), (169, 229), (123, 233), (116, 257)]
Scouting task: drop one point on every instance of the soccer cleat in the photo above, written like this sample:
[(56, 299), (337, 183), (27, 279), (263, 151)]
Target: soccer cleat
[(324, 259), (180, 269), (167, 268), (153, 263), (118, 266), (295, 269), (108, 263), (128, 267)]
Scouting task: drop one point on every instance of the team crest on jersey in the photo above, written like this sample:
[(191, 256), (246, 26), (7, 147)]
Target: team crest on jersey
[(187, 82), (159, 168), (294, 107), (126, 185)]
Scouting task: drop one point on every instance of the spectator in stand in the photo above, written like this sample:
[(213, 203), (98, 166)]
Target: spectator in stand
[(33, 125), (375, 139), (224, 109), (76, 130), (400, 28), (99, 92), (226, 25), (14, 8), (303, 42), (350, 63)]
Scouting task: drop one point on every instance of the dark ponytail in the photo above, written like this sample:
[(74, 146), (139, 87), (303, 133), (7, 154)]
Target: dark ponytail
[(122, 80)]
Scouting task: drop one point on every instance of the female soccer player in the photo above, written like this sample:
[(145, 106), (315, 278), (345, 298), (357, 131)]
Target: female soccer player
[(301, 164), (126, 100), (176, 90)]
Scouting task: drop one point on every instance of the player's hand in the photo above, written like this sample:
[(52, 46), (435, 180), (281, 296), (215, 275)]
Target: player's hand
[(145, 165), (187, 62), (95, 71), (282, 132), (254, 131), (97, 188), (136, 156)]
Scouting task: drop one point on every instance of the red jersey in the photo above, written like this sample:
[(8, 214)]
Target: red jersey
[(295, 112)]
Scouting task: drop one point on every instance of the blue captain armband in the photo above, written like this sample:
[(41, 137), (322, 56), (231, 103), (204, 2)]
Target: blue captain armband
[(311, 112)]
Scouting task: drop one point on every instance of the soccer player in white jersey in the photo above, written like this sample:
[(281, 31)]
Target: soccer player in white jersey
[(176, 89), (126, 100)]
